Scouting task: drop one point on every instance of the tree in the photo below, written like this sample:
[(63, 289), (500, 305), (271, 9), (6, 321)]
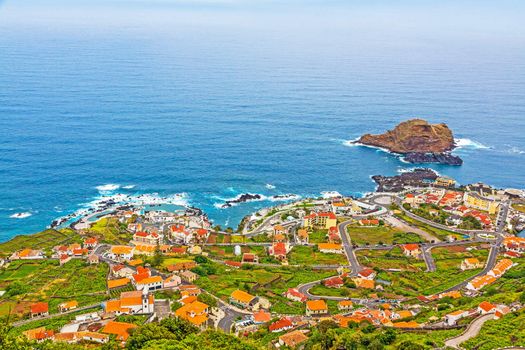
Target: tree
[(410, 345), (140, 336), (207, 299), (199, 259), (158, 258), (522, 297)]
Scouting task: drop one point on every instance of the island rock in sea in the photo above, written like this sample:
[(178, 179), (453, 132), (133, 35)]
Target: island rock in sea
[(418, 141)]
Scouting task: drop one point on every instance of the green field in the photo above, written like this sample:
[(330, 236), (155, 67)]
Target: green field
[(519, 207), (380, 235), (44, 280), (266, 282), (306, 255), (43, 240), (318, 236)]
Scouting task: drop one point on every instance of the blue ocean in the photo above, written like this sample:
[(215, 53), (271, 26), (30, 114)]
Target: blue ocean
[(201, 104)]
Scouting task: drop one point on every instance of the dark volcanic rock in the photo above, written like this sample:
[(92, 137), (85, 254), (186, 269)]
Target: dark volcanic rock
[(417, 177), (246, 197), (441, 158)]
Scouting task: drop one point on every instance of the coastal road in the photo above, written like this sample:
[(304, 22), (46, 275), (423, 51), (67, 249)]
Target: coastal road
[(472, 330)]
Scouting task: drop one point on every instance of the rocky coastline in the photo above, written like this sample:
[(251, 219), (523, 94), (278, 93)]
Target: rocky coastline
[(418, 178)]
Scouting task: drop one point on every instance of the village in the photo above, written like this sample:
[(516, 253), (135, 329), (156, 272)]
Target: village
[(432, 258)]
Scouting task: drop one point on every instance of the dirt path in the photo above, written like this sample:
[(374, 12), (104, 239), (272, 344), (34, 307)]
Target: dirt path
[(395, 222)]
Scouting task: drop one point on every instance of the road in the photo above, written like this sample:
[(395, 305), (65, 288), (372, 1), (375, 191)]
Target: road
[(472, 330), (355, 267)]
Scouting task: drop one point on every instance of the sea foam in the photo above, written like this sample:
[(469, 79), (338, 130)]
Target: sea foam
[(469, 144), (22, 215), (108, 187)]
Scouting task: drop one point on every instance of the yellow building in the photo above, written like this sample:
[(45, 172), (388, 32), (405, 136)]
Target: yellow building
[(474, 200), (444, 181), (320, 220)]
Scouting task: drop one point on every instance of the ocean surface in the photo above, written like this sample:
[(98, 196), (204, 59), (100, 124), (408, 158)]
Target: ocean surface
[(202, 110)]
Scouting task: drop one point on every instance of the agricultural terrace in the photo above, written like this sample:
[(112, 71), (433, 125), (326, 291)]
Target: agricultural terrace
[(43, 240), (380, 235), (308, 255), (28, 281), (270, 283), (448, 258), (110, 230), (227, 252), (318, 236)]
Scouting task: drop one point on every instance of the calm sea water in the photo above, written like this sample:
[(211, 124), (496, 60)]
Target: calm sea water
[(214, 110)]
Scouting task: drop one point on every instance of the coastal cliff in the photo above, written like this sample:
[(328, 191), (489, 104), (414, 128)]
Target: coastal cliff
[(418, 141)]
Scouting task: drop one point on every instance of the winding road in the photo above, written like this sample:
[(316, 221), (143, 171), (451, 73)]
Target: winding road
[(472, 330)]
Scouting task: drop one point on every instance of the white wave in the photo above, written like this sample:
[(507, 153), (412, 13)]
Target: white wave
[(514, 150), (230, 202), (108, 187), (269, 186), (22, 215), (469, 144), (128, 187), (330, 194), (351, 143), (284, 197)]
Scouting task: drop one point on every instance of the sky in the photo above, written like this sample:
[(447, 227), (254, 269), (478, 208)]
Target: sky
[(481, 18)]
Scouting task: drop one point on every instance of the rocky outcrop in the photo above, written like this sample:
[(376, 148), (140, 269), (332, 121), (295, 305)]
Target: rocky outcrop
[(415, 178), (418, 141)]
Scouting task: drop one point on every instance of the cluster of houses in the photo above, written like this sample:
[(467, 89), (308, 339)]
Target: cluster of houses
[(492, 276), (458, 205), (483, 308)]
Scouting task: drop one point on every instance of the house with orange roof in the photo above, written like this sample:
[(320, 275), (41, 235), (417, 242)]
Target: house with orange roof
[(303, 236), (293, 339), (195, 312), (279, 250), (480, 282), (500, 268), (150, 238), (409, 324), (316, 308), (189, 290), (279, 230), (90, 242), (201, 234), (368, 274), (39, 309), (149, 283), (27, 254), (121, 252), (68, 305), (514, 244), (323, 220), (64, 259), (364, 283), (117, 283), (485, 308), (134, 302), (345, 305), (39, 334), (454, 294), (261, 316), (411, 250), (280, 325), (234, 264), (333, 282), (250, 258), (119, 329), (295, 295), (330, 248), (369, 222), (180, 234), (145, 249), (470, 264), (452, 318), (242, 299), (401, 314), (135, 262)]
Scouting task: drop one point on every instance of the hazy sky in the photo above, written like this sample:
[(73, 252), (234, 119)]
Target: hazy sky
[(502, 18)]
